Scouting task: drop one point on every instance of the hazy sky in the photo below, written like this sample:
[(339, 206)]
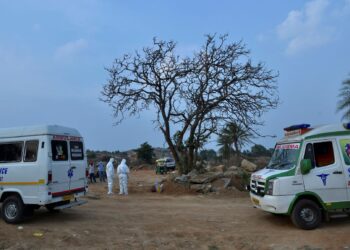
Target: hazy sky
[(53, 55)]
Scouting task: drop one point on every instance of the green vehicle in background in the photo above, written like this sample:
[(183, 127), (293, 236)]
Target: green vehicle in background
[(164, 165)]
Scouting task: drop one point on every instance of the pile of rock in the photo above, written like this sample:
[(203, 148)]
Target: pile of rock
[(217, 178)]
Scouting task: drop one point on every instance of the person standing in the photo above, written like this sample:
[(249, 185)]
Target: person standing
[(101, 171), (110, 175), (123, 174), (92, 172)]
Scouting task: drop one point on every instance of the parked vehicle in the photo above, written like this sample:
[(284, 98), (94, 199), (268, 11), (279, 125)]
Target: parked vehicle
[(308, 177), (164, 165), (40, 166)]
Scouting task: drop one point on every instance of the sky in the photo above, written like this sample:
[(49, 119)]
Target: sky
[(53, 56)]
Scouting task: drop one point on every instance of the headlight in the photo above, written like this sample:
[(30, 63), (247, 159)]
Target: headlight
[(270, 187)]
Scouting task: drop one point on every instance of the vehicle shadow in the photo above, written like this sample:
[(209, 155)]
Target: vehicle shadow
[(43, 216)]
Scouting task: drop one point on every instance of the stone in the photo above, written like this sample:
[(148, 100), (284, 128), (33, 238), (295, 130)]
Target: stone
[(201, 188), (229, 174), (206, 178), (182, 179), (197, 187), (193, 173), (227, 182), (232, 168), (248, 166), (219, 168)]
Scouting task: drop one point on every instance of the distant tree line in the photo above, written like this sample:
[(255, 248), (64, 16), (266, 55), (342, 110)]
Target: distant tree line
[(145, 154)]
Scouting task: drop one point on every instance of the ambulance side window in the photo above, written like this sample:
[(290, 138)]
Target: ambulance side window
[(324, 155), (59, 150), (309, 154), (31, 151), (76, 150), (11, 152)]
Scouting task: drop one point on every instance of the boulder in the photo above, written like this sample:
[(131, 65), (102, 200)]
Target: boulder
[(182, 179), (232, 168), (219, 168), (201, 188), (193, 173), (206, 178), (240, 181), (231, 171), (248, 166), (197, 187), (227, 182), (221, 184)]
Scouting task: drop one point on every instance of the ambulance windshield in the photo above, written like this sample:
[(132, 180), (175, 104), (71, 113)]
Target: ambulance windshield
[(285, 156)]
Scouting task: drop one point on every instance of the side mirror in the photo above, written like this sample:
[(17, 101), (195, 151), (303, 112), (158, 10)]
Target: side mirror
[(305, 166)]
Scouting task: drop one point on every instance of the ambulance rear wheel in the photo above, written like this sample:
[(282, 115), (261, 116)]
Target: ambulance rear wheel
[(306, 215), (12, 209)]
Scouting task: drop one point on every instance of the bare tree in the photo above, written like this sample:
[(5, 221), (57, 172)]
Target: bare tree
[(195, 95)]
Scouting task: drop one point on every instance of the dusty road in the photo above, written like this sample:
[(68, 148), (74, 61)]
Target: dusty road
[(146, 220)]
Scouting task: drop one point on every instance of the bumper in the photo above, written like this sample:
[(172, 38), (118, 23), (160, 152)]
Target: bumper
[(272, 204), (71, 204)]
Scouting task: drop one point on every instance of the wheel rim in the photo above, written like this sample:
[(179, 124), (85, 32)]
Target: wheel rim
[(307, 214), (11, 211)]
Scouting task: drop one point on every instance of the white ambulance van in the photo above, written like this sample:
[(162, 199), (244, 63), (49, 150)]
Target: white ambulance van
[(40, 166), (308, 176)]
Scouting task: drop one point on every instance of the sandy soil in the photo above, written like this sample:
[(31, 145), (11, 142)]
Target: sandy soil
[(145, 220)]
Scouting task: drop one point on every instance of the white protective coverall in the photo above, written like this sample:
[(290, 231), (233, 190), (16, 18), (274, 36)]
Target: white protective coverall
[(110, 175), (123, 172)]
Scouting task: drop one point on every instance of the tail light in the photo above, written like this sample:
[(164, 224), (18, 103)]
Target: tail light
[(49, 177), (86, 173)]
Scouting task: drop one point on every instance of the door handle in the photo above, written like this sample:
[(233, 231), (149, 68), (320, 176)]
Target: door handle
[(338, 172)]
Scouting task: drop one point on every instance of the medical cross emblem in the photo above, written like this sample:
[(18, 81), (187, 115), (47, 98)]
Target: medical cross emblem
[(70, 173), (323, 178)]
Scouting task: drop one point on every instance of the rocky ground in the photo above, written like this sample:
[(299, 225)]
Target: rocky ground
[(178, 218)]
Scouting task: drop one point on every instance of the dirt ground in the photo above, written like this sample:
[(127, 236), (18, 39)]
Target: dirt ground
[(173, 220)]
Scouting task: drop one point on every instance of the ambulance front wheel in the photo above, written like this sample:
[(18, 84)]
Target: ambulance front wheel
[(12, 209), (306, 215)]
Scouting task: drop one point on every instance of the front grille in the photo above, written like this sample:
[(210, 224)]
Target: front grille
[(257, 187)]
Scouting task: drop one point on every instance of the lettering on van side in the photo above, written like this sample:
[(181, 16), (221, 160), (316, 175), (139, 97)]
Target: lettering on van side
[(3, 171), (66, 138)]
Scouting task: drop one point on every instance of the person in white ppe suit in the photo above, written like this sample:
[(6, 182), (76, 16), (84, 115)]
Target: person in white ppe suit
[(123, 174), (110, 175)]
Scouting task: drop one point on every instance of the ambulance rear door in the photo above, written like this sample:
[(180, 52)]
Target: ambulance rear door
[(68, 168)]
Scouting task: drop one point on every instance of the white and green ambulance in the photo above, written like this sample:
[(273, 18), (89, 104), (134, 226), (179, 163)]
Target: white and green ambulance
[(308, 176), (40, 166)]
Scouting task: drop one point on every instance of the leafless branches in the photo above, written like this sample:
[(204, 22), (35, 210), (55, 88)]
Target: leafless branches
[(217, 84)]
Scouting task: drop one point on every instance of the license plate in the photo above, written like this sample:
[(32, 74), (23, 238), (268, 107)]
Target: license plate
[(256, 201), (68, 197)]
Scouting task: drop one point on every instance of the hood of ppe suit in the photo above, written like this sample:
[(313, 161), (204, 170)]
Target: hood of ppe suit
[(110, 167), (123, 168)]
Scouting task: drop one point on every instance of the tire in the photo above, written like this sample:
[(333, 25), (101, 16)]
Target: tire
[(12, 210), (306, 215)]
